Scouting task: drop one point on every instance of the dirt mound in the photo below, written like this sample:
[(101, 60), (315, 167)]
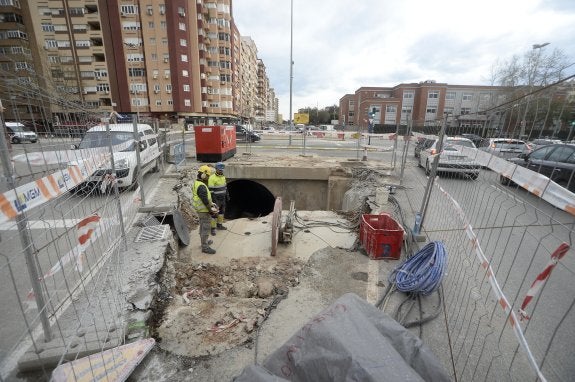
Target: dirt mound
[(217, 308)]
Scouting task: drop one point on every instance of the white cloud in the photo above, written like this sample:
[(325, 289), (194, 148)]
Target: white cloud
[(341, 45)]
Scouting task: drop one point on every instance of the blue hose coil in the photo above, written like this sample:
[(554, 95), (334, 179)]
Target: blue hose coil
[(421, 273)]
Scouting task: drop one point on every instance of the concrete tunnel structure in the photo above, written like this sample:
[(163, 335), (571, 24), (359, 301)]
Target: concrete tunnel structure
[(253, 188)]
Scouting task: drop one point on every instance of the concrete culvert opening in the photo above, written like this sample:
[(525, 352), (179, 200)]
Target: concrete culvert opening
[(248, 199)]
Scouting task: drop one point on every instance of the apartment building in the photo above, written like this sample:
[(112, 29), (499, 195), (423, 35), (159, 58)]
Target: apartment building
[(155, 59), (248, 79), (423, 104)]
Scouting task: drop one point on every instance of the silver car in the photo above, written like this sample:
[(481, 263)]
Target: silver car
[(505, 147), (451, 159)]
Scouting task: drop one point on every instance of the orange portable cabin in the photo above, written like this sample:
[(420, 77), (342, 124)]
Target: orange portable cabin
[(215, 143)]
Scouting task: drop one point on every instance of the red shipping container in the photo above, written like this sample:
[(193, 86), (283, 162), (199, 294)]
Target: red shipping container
[(215, 143), (381, 236)]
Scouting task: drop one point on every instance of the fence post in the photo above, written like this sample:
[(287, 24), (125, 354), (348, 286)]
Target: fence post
[(115, 183), (427, 194), (405, 149), (139, 162), (23, 231)]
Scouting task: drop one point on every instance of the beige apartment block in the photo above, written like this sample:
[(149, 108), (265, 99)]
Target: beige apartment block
[(154, 59)]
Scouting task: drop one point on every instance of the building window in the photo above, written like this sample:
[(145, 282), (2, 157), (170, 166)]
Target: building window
[(187, 102), (184, 57), (169, 88), (170, 102), (185, 73), (390, 109), (128, 10), (163, 25), (47, 27), (448, 110), (158, 102), (431, 110), (181, 11), (183, 42), (136, 72), (450, 95), (408, 94), (154, 56), (223, 36), (433, 94), (465, 110), (186, 87), (406, 110), (162, 9), (164, 41), (182, 26), (151, 25), (467, 96), (50, 44)]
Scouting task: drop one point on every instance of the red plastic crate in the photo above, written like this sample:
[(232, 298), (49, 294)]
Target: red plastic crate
[(381, 236)]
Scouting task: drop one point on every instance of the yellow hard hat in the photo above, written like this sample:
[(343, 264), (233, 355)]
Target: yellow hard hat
[(205, 169)]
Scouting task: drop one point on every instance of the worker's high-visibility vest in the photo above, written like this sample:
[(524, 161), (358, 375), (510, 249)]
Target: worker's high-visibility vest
[(197, 202), (217, 184)]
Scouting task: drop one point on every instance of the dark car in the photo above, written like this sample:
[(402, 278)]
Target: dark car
[(245, 135), (422, 144), (555, 161)]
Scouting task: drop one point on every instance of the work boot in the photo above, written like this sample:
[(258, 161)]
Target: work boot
[(213, 232), (208, 250), (221, 227)]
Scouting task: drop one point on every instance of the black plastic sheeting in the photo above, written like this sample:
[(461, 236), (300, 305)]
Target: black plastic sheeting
[(350, 341), (248, 199)]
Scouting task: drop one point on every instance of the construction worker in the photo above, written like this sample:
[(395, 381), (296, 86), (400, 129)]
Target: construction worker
[(202, 202), (219, 190)]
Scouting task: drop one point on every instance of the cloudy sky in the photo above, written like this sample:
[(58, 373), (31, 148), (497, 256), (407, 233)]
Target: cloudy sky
[(341, 45)]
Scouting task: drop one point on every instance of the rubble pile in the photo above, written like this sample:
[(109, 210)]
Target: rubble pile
[(215, 308)]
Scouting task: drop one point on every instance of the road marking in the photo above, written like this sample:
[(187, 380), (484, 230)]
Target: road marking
[(41, 224)]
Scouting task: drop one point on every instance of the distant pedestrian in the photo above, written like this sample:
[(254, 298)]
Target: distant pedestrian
[(218, 187), (205, 208)]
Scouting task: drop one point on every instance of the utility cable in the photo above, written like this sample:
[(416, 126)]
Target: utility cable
[(422, 273)]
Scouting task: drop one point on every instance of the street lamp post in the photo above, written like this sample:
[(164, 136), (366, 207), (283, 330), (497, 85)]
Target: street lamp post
[(530, 82)]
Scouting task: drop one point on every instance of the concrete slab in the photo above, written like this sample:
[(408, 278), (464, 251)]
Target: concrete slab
[(313, 230)]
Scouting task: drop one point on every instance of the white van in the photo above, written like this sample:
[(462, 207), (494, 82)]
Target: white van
[(125, 159), (18, 133)]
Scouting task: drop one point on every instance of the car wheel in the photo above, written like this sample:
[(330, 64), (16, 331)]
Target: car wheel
[(15, 140)]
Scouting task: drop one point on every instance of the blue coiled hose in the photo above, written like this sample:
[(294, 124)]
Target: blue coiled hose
[(421, 273)]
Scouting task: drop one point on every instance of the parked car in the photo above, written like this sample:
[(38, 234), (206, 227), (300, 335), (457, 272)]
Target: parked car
[(125, 159), (504, 147), (18, 133), (451, 159), (245, 135), (542, 142), (422, 144), (476, 139), (555, 161)]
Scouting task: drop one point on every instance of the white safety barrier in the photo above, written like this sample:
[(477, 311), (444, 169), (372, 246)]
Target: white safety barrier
[(532, 181)]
